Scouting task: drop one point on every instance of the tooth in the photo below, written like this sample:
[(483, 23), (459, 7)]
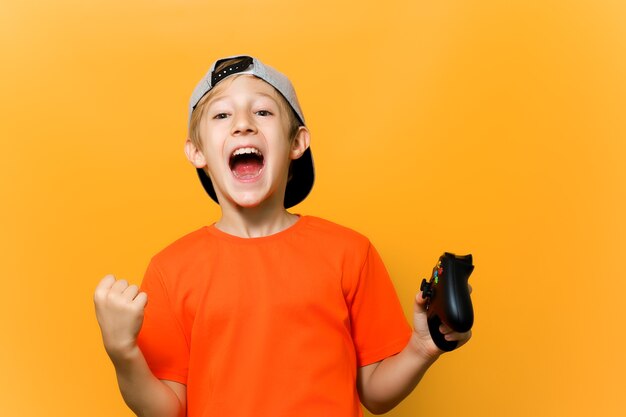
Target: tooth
[(248, 150)]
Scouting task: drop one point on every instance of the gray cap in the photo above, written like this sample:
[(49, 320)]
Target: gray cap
[(302, 172)]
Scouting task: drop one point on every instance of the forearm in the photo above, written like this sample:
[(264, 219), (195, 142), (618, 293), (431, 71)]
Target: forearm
[(144, 394), (393, 379), (384, 384)]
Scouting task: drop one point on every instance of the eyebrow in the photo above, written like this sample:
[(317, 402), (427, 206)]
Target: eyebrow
[(219, 97)]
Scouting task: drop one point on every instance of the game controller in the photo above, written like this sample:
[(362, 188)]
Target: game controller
[(448, 298)]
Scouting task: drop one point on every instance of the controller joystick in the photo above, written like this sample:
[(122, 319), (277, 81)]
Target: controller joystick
[(448, 298)]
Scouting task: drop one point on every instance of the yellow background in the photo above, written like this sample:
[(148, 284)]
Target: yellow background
[(490, 127)]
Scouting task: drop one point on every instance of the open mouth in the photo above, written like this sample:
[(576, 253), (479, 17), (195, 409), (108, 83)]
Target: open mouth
[(246, 163)]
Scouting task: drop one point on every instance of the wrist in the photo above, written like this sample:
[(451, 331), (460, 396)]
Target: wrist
[(123, 354), (423, 349)]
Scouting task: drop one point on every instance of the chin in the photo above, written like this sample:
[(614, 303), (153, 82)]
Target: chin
[(248, 201), (255, 200), (258, 196)]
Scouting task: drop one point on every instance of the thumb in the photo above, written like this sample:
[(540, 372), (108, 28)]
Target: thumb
[(420, 302)]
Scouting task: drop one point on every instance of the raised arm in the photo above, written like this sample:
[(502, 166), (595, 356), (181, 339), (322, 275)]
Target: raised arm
[(383, 385), (120, 310)]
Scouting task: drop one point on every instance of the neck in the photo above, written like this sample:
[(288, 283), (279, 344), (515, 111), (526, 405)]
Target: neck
[(256, 221)]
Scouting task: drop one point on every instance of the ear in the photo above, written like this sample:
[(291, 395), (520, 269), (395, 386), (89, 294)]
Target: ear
[(194, 155), (300, 143)]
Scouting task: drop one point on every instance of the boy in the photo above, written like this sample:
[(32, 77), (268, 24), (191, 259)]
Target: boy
[(265, 312)]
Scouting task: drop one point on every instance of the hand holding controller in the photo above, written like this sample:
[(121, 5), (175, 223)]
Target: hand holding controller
[(448, 298)]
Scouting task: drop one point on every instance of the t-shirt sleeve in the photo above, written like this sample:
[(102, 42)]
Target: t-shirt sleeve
[(161, 338), (379, 327)]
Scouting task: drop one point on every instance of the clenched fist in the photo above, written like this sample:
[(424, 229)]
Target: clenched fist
[(119, 310)]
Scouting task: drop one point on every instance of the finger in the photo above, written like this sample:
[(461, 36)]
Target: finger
[(419, 298), (130, 292), (141, 299), (419, 307), (459, 337), (103, 287), (443, 329), (470, 288), (106, 283), (119, 286)]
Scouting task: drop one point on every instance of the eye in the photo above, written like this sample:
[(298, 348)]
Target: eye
[(264, 113), (220, 116)]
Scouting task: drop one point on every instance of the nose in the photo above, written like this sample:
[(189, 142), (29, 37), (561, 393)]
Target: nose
[(243, 124)]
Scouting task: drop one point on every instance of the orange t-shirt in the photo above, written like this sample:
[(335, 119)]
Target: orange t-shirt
[(271, 326)]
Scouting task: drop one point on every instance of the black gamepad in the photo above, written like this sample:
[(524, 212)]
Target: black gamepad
[(448, 298)]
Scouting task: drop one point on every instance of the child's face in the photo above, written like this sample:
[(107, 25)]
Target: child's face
[(246, 144)]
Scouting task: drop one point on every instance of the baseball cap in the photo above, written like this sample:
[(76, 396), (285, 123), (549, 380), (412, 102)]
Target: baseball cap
[(302, 171)]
